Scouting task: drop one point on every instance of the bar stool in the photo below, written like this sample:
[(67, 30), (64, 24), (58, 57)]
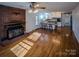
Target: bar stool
[(53, 27)]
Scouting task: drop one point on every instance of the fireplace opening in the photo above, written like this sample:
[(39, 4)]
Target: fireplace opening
[(14, 30)]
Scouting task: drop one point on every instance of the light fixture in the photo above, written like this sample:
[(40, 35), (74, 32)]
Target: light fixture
[(37, 5), (35, 11), (30, 11)]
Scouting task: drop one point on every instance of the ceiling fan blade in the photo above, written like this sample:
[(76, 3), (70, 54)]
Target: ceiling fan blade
[(33, 6), (41, 7)]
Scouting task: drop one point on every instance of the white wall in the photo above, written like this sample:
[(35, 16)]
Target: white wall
[(30, 22), (75, 17)]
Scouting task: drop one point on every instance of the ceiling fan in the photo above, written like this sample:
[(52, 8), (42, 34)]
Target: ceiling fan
[(34, 6)]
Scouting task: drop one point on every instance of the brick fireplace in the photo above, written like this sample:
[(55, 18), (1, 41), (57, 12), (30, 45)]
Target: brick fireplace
[(12, 22)]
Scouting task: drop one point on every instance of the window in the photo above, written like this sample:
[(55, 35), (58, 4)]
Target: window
[(41, 17)]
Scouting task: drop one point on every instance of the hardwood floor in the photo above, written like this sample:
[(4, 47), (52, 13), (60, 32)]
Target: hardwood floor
[(60, 42)]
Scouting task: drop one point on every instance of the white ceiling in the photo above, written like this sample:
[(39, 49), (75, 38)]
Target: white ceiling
[(22, 5), (51, 6), (60, 6)]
